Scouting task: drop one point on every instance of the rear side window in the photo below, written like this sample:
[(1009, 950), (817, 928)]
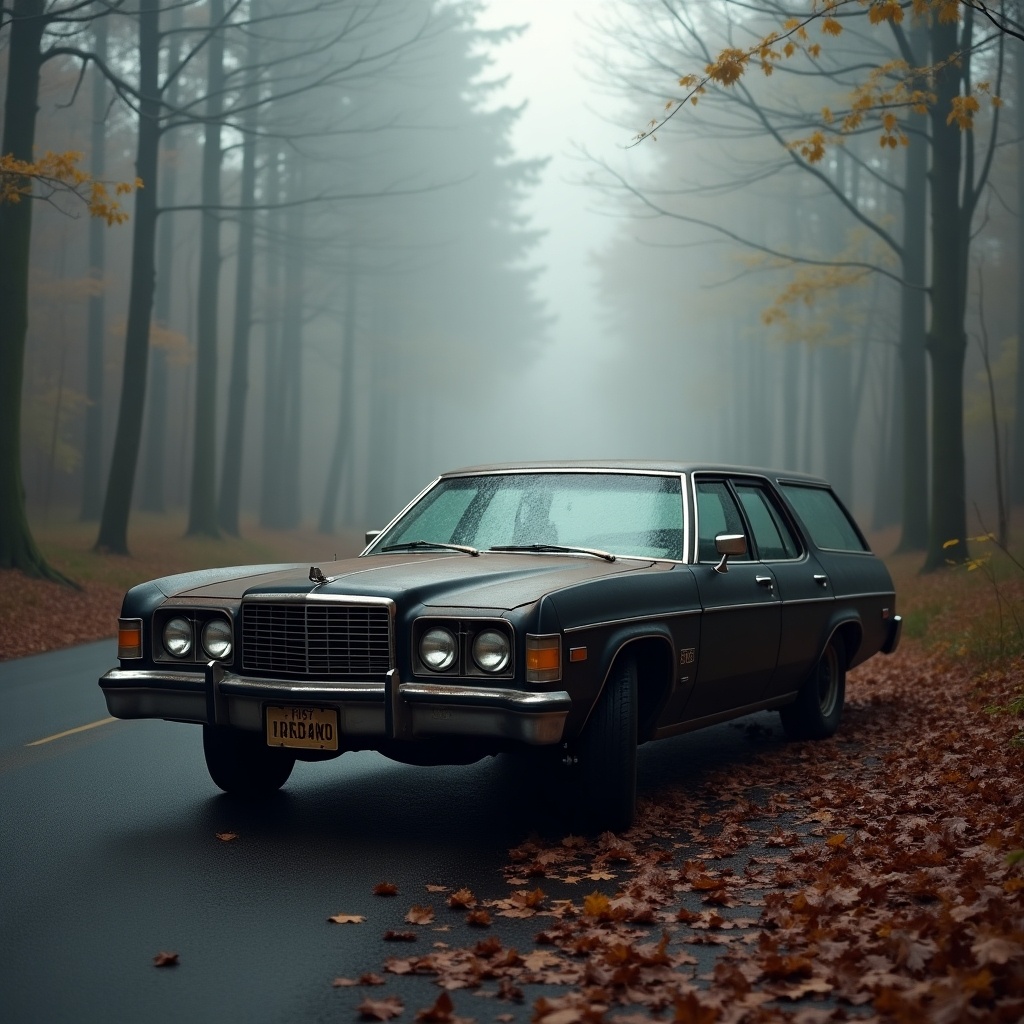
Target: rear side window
[(774, 541), (823, 517)]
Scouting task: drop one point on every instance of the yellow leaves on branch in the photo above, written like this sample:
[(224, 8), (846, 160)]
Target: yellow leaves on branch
[(889, 89), (55, 173)]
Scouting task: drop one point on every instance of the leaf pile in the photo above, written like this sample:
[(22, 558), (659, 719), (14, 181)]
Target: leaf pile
[(870, 876)]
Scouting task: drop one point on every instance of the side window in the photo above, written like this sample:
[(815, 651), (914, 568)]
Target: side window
[(771, 534), (823, 517), (716, 513)]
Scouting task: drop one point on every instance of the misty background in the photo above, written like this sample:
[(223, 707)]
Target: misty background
[(460, 254)]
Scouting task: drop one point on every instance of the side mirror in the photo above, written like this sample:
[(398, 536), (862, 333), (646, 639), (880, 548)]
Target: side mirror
[(727, 544), (372, 535)]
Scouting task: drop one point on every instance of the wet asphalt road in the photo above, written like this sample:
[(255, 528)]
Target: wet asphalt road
[(109, 855)]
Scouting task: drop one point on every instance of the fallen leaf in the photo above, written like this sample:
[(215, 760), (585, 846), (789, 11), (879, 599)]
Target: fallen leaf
[(462, 900), (478, 918), (346, 919), (227, 837), (419, 915), (163, 959), (393, 936), (437, 888), (385, 889), (440, 1012), (380, 1009)]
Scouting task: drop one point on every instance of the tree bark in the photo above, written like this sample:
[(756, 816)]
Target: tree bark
[(18, 548), (231, 467), (273, 332), (291, 357), (947, 342), (113, 532), (328, 512), (913, 303), (1017, 476), (154, 457), (202, 517), (92, 453)]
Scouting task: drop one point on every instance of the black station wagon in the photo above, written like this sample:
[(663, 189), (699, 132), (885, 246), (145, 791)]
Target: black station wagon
[(573, 610)]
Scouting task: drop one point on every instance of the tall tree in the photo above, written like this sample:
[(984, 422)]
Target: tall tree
[(92, 455), (202, 516)]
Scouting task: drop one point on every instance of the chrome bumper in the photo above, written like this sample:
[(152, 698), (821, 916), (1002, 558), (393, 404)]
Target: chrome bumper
[(389, 710)]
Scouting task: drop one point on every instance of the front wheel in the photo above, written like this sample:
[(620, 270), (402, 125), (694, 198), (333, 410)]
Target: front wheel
[(816, 712), (607, 753), (243, 765)]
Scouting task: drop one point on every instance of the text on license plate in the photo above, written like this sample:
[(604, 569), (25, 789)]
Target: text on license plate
[(306, 728)]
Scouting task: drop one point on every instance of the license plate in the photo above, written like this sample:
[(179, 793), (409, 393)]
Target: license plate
[(302, 727)]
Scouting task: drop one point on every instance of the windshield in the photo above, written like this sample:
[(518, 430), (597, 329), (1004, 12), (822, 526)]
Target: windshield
[(627, 514)]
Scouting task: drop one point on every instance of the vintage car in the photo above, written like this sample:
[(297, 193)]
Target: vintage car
[(570, 609)]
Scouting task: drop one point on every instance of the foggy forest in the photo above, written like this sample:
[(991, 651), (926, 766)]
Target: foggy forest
[(279, 263)]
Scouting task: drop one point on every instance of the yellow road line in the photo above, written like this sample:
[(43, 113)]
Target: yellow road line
[(70, 732)]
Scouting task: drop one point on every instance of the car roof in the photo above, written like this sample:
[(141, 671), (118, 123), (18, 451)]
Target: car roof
[(635, 465)]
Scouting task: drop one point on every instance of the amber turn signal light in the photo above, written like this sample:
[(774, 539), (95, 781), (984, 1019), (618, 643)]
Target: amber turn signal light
[(543, 658), (129, 638)]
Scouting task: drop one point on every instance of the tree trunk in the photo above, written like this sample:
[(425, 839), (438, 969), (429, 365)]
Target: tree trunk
[(231, 468), (328, 512), (291, 357), (92, 454), (913, 295), (273, 331), (154, 459), (1017, 476), (947, 342), (18, 548), (202, 516), (113, 532)]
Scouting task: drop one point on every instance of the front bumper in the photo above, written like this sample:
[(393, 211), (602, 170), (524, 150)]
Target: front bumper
[(389, 710)]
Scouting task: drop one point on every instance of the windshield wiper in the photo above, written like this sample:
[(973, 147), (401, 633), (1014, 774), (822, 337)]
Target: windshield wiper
[(596, 552), (406, 545)]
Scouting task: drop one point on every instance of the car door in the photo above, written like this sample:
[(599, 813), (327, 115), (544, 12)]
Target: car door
[(801, 583), (741, 611)]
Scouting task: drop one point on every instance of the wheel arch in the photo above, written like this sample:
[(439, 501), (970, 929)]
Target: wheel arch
[(850, 634), (653, 653)]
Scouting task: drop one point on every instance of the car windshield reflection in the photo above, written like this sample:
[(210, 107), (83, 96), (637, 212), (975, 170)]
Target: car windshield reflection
[(628, 514)]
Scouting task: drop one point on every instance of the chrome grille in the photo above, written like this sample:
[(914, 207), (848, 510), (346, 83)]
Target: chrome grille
[(316, 638)]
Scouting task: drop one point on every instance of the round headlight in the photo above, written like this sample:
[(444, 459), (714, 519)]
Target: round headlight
[(438, 649), (491, 650), (217, 638), (178, 637)]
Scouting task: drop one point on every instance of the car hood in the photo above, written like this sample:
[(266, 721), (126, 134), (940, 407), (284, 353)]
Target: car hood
[(491, 580)]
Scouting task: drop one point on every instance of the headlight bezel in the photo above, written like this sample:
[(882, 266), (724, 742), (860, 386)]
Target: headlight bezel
[(198, 620), (465, 631)]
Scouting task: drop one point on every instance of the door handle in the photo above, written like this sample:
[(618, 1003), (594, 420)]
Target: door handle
[(765, 581), (821, 578)]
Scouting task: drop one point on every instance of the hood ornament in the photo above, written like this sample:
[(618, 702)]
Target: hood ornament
[(316, 577)]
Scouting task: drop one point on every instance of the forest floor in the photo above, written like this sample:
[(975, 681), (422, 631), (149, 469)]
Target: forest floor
[(878, 875)]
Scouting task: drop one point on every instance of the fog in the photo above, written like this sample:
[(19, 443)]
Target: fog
[(461, 253)]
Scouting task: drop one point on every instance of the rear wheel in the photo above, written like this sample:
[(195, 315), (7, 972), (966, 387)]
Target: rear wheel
[(816, 712), (242, 764), (607, 754)]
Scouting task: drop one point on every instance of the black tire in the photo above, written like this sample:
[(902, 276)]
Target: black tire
[(818, 708), (242, 764), (607, 754)]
